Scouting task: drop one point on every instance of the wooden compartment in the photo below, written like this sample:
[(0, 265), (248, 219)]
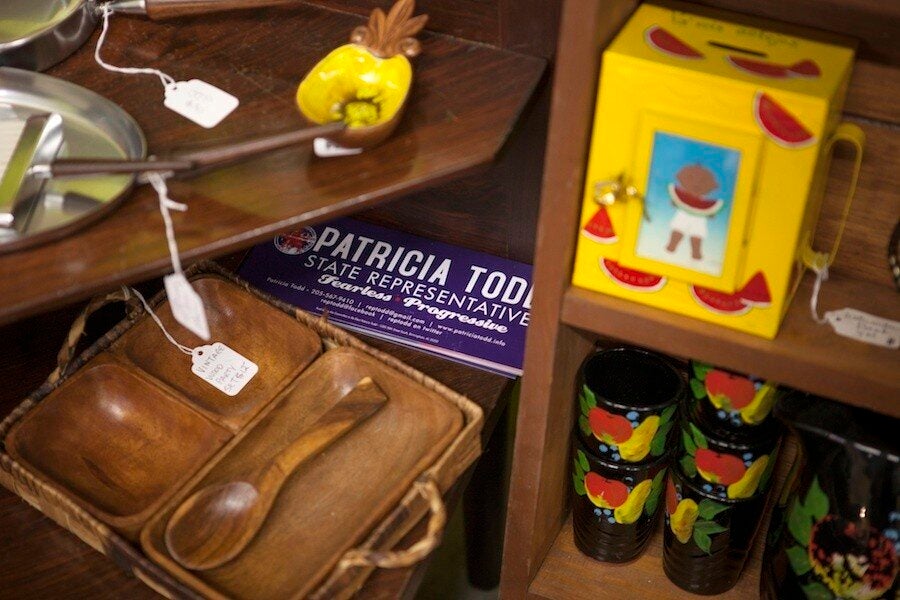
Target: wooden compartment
[(118, 443), (279, 345), (330, 502)]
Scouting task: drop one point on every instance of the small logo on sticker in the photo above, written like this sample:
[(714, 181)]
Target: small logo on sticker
[(296, 242)]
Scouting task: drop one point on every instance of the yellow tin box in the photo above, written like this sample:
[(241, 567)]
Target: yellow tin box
[(702, 182)]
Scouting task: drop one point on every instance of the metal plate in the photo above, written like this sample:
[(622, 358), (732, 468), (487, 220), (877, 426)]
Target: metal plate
[(93, 127), (37, 34)]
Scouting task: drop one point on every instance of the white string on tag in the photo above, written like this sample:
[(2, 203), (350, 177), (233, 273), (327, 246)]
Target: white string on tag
[(158, 181), (186, 349), (186, 304), (167, 80), (821, 275), (201, 102)]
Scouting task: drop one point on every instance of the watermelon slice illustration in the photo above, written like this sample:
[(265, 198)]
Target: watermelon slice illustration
[(755, 293), (804, 68), (779, 124), (693, 203), (663, 41), (632, 279), (600, 228)]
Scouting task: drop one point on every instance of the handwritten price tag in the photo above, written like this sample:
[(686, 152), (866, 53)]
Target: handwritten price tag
[(204, 104), (863, 327), (223, 368)]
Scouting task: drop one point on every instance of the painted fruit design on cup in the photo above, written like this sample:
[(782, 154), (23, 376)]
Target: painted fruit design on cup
[(834, 557), (691, 520), (724, 474), (623, 438), (738, 400), (617, 501)]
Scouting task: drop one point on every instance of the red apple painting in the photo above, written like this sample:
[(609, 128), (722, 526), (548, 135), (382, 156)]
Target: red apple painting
[(619, 503), (725, 474), (719, 468), (738, 399), (625, 437)]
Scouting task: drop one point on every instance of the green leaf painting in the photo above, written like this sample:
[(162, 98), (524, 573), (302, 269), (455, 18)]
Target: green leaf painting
[(701, 369), (579, 485), (709, 527), (702, 532), (799, 523), (799, 559), (817, 591), (583, 461), (699, 438), (698, 389), (689, 466), (589, 396), (707, 509), (666, 415), (579, 472), (702, 540), (689, 446), (585, 406), (584, 425), (658, 445), (655, 491), (816, 500)]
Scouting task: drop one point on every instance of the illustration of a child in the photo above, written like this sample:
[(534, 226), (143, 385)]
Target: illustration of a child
[(692, 207)]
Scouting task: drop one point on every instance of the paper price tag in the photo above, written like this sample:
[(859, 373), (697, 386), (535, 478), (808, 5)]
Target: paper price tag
[(326, 149), (204, 104), (863, 327), (223, 368), (186, 304)]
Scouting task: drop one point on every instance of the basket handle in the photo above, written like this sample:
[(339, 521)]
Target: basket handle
[(418, 551), (67, 352)]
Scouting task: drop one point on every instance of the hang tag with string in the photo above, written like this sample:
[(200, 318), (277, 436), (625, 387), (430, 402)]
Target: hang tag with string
[(222, 367), (201, 102), (186, 304), (850, 322)]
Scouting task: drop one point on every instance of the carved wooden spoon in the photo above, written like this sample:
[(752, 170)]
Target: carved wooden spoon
[(216, 523)]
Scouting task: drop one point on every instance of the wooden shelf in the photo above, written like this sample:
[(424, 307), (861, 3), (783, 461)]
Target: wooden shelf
[(804, 355), (465, 101), (567, 574)]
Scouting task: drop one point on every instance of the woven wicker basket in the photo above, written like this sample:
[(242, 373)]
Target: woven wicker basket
[(376, 551)]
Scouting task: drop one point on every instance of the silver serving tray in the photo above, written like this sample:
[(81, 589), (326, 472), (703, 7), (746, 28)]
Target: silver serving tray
[(93, 127)]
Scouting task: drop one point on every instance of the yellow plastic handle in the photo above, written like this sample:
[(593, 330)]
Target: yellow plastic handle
[(851, 134)]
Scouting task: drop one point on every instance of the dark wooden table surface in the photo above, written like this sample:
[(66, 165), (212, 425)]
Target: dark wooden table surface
[(40, 560), (466, 98)]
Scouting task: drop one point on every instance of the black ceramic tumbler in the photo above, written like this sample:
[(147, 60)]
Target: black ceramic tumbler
[(615, 504), (707, 538), (627, 403)]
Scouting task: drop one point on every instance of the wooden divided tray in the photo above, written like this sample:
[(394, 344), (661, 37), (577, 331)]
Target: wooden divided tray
[(298, 486), (118, 443), (275, 341)]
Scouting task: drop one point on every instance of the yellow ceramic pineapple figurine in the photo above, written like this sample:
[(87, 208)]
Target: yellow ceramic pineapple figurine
[(365, 83)]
